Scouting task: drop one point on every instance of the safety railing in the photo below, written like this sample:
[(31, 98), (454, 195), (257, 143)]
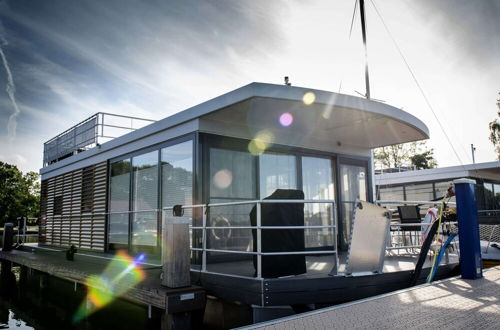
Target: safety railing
[(93, 131), (396, 234), (205, 208)]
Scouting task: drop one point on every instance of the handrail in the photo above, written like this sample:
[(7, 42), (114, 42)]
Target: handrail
[(411, 202), (258, 227)]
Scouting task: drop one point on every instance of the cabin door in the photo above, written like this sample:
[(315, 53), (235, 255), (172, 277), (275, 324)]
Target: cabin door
[(353, 178)]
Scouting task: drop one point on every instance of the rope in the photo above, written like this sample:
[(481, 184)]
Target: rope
[(417, 83), (436, 241)]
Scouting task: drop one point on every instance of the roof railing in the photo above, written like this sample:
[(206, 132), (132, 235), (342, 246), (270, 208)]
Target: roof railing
[(91, 132)]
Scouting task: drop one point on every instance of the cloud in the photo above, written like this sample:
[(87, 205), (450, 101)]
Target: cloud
[(472, 27), (10, 87)]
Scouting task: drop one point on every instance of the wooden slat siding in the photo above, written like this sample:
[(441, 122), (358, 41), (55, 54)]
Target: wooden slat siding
[(100, 193), (85, 230), (42, 221)]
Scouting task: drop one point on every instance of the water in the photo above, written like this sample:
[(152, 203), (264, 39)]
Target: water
[(32, 300)]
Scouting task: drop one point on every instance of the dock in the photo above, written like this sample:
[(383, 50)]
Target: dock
[(448, 304), (148, 292)]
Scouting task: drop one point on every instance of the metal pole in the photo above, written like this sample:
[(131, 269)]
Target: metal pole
[(468, 229), (204, 240), (259, 241), (473, 149), (363, 31), (336, 238)]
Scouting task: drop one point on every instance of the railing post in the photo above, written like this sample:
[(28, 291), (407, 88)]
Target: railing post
[(176, 253), (468, 229), (336, 238), (259, 241), (204, 238)]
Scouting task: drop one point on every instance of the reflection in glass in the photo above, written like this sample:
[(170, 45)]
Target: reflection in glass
[(119, 202), (497, 196), (441, 189), (177, 175), (318, 184), (353, 186), (489, 197), (232, 178), (419, 192), (277, 171), (145, 199)]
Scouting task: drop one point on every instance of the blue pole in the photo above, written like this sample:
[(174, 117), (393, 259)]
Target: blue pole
[(468, 229)]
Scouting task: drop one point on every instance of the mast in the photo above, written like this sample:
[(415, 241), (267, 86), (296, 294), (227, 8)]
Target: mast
[(363, 31)]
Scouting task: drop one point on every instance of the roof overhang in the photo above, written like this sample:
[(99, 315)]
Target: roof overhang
[(336, 118)]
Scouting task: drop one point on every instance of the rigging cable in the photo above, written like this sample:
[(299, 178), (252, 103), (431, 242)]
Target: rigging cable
[(417, 83)]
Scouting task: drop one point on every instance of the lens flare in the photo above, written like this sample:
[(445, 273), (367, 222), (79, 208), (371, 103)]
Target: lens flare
[(261, 142), (286, 119), (309, 98), (120, 275), (223, 178)]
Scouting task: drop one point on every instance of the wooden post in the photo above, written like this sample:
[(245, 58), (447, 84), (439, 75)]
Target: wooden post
[(175, 252), (8, 237)]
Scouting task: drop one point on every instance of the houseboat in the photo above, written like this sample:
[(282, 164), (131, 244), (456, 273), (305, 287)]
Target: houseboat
[(221, 161)]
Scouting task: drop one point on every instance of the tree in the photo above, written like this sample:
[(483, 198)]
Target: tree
[(495, 132), (19, 194), (413, 154)]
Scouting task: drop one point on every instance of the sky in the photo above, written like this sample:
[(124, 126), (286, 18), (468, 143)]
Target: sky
[(64, 60)]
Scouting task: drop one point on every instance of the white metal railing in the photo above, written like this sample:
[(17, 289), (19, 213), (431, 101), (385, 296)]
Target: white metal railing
[(259, 227), (491, 237), (398, 225)]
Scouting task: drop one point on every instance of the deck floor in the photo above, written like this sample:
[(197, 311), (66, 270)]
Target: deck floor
[(449, 304), (320, 266), (149, 291)]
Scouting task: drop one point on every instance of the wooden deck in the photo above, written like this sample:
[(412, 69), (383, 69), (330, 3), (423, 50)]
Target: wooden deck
[(147, 292), (449, 304)]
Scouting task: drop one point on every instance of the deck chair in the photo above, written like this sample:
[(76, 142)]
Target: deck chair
[(410, 214)]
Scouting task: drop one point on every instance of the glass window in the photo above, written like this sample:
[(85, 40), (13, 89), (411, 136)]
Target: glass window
[(441, 189), (489, 197), (318, 184), (232, 178), (232, 174), (177, 175), (497, 196), (277, 171), (419, 192), (119, 199), (353, 186), (394, 193), (145, 199)]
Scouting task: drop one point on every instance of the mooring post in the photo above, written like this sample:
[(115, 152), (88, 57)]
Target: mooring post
[(468, 229), (176, 253), (8, 236)]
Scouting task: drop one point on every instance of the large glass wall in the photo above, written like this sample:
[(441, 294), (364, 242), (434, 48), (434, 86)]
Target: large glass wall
[(145, 199), (119, 201), (135, 200)]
